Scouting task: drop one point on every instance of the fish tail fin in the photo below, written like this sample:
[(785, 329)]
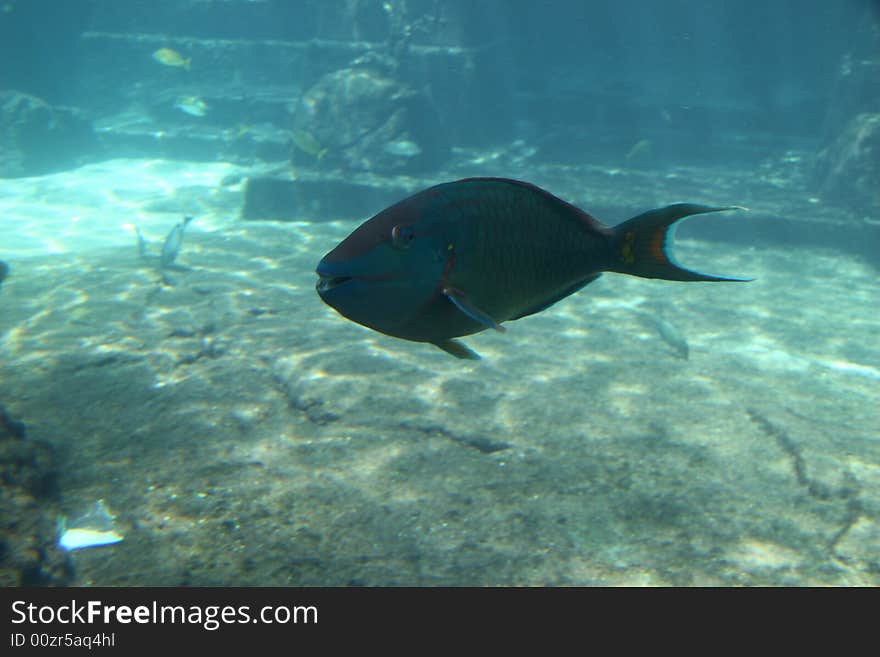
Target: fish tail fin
[(641, 246)]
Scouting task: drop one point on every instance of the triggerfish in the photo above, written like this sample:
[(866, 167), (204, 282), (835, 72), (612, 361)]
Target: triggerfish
[(464, 256)]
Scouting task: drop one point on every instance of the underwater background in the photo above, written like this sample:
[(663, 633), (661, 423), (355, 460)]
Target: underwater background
[(180, 408)]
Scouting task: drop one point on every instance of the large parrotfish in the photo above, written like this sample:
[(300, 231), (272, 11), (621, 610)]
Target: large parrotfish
[(465, 256)]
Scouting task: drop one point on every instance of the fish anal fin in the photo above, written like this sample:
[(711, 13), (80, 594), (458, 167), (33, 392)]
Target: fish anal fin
[(558, 297), (457, 349), (461, 302)]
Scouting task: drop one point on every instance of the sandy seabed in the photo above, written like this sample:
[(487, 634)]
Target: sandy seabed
[(245, 434)]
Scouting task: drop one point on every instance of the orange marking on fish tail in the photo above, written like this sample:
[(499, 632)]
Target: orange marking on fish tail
[(656, 245)]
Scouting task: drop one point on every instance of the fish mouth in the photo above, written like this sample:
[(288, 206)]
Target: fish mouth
[(327, 283), (331, 275)]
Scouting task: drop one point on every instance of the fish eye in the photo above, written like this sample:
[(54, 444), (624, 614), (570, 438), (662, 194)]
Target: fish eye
[(402, 236)]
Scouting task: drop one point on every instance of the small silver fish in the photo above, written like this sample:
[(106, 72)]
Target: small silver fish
[(641, 147), (93, 529), (173, 242), (403, 148), (672, 336)]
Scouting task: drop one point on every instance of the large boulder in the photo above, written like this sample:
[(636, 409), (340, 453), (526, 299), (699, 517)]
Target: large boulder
[(38, 138), (363, 118), (847, 168)]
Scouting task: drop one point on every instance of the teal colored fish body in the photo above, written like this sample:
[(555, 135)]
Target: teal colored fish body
[(461, 257)]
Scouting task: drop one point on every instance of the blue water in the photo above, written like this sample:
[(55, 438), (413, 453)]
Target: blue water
[(241, 432)]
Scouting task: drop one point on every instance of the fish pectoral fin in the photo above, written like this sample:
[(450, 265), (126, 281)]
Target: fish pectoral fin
[(457, 349), (464, 305)]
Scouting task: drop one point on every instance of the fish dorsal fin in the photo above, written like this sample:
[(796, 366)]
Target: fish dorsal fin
[(464, 305), (457, 349), (567, 291)]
